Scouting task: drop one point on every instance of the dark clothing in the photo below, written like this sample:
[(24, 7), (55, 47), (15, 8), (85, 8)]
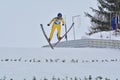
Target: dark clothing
[(114, 23)]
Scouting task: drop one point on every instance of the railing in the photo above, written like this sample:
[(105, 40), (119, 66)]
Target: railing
[(97, 43)]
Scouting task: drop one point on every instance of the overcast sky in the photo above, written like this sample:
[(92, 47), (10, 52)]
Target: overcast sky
[(20, 19)]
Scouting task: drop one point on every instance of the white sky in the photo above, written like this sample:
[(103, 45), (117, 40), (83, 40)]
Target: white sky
[(20, 19)]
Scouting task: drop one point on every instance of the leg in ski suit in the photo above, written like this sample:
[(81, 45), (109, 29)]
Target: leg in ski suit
[(54, 27)]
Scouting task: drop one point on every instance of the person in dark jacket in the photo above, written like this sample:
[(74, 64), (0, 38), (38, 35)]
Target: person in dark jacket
[(114, 22)]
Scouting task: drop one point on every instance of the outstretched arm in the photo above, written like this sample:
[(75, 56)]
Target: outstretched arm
[(50, 22)]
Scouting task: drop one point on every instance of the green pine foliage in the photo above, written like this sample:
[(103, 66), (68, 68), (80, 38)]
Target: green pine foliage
[(101, 20)]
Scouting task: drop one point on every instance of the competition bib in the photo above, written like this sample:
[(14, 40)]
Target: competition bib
[(58, 22)]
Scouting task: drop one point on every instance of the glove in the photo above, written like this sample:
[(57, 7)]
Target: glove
[(48, 24)]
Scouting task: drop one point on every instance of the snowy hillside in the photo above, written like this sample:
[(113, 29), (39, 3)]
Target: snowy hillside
[(44, 63), (22, 57), (98, 40), (81, 63), (110, 35)]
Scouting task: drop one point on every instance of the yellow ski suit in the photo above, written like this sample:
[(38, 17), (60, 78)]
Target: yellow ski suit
[(56, 25)]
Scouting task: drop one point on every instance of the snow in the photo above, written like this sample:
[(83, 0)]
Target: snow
[(107, 39), (20, 30), (109, 35), (19, 63)]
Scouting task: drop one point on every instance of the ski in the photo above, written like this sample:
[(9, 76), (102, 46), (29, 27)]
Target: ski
[(46, 36), (64, 35)]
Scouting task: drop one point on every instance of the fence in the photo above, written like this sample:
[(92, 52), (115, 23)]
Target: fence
[(96, 43), (103, 43)]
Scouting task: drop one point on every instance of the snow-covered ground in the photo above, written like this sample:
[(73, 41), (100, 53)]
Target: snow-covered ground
[(19, 29), (105, 35), (60, 63), (105, 39), (20, 63)]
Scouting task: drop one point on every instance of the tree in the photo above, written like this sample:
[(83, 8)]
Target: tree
[(101, 20)]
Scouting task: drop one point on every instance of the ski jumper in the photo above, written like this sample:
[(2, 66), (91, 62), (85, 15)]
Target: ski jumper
[(56, 25)]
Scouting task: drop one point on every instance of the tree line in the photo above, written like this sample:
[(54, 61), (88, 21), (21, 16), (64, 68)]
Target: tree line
[(101, 20)]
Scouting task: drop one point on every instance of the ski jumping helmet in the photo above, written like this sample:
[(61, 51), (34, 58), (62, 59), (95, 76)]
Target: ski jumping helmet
[(59, 15)]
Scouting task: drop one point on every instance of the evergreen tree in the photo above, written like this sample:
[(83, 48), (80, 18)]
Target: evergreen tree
[(101, 21)]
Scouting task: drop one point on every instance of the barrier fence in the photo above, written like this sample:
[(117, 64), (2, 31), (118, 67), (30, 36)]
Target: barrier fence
[(103, 43), (97, 43)]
